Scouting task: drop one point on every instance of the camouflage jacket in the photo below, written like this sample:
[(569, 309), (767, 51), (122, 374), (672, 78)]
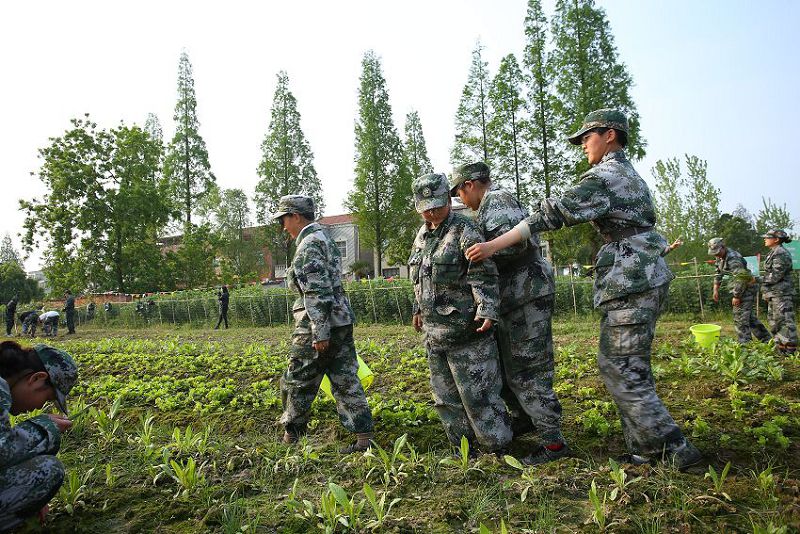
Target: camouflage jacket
[(316, 272), (523, 273), (450, 292), (734, 266), (613, 197), (38, 435), (777, 280)]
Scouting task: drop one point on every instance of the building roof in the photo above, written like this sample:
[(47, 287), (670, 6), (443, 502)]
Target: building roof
[(346, 218)]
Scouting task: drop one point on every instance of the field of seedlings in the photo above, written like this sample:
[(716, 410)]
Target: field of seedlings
[(176, 431)]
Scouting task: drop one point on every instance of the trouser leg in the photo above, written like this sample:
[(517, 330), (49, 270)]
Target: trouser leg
[(25, 488), (300, 383), (529, 367), (225, 316), (9, 326), (71, 322), (782, 323), (446, 398), (342, 370), (627, 328)]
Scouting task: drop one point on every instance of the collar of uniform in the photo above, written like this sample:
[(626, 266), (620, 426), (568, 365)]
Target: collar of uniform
[(484, 202), (439, 229), (310, 228), (618, 155)]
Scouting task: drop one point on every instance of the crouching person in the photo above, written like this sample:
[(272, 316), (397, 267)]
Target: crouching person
[(455, 305), (322, 342), (30, 473)]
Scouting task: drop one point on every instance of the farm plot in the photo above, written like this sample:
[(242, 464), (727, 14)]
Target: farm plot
[(177, 432)]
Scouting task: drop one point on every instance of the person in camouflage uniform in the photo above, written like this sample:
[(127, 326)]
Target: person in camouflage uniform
[(631, 282), (778, 291), (744, 288), (30, 473), (527, 297), (322, 341), (69, 309), (455, 304)]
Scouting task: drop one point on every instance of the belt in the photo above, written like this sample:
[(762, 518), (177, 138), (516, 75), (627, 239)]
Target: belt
[(631, 231), (509, 265)]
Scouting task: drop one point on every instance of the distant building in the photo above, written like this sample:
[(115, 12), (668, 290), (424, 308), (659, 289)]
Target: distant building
[(41, 279)]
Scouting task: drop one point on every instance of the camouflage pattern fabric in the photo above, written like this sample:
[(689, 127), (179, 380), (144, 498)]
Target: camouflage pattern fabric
[(316, 273), (466, 382), (449, 291), (525, 341), (321, 312), (69, 308), (524, 333), (733, 265), (778, 290), (450, 294), (627, 327), (745, 319), (300, 383), (614, 198), (29, 472)]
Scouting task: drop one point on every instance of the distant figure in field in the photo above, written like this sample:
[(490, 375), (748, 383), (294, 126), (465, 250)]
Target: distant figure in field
[(29, 320), (69, 309), (11, 310), (49, 322), (223, 298)]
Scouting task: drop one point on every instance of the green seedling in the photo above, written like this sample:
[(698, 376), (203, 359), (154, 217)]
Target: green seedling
[(462, 461), (352, 508), (73, 490), (379, 507), (528, 476), (391, 462), (621, 482), (598, 507), (718, 480)]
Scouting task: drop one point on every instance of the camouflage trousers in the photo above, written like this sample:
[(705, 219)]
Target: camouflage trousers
[(466, 382), (26, 487), (300, 383), (780, 315), (525, 341), (745, 319), (627, 327)]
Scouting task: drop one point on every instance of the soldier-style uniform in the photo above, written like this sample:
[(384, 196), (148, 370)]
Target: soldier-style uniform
[(11, 310), (527, 296), (631, 284), (30, 473), (450, 293), (69, 309), (743, 287), (321, 312), (778, 291)]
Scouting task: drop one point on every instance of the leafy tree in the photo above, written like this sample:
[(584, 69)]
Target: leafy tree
[(152, 126), (8, 253), (193, 263), (381, 190), (772, 216), (687, 205), (105, 204), (588, 73), (738, 233), (506, 127), (416, 152), (286, 167), (186, 165), (473, 114), (14, 281), (241, 256)]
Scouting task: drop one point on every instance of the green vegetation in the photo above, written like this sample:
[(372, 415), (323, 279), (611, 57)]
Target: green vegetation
[(184, 438)]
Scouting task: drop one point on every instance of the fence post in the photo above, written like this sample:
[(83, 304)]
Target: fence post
[(288, 311), (397, 300), (572, 287), (252, 317), (269, 310), (372, 299), (160, 320), (699, 289), (189, 311)]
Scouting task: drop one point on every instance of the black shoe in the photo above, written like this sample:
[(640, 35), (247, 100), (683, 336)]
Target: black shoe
[(685, 457), (543, 455), (355, 447), (633, 459)]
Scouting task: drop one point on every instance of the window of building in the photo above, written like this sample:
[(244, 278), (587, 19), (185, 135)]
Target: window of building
[(342, 248)]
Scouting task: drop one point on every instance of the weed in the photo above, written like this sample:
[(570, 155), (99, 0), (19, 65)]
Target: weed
[(379, 506), (718, 480), (462, 460), (351, 516), (771, 432), (391, 462), (598, 507), (73, 490), (621, 482), (766, 485)]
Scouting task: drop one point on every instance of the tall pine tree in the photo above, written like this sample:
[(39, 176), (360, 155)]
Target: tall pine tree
[(186, 165), (416, 152), (508, 123), (588, 73), (152, 126), (382, 185), (286, 167), (473, 114)]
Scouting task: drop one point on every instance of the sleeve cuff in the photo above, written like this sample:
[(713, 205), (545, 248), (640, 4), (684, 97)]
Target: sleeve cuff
[(524, 230)]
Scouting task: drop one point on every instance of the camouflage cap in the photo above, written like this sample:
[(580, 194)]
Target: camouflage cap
[(62, 370), (463, 173), (715, 245), (430, 191), (301, 204), (775, 233), (600, 118)]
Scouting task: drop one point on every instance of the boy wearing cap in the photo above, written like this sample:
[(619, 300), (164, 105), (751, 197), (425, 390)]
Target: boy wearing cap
[(455, 304), (778, 291), (729, 262), (631, 282), (30, 473), (322, 341), (527, 297)]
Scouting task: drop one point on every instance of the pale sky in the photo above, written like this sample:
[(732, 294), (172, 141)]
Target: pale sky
[(717, 79)]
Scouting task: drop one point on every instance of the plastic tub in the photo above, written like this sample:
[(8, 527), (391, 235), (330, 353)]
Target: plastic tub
[(364, 375), (705, 335)]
